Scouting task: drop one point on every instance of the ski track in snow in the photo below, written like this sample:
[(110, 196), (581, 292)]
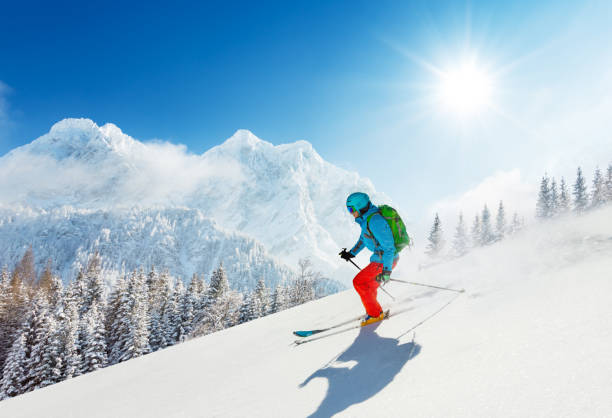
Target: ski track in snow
[(531, 337)]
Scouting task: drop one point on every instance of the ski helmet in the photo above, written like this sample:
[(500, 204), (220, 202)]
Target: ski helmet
[(357, 202)]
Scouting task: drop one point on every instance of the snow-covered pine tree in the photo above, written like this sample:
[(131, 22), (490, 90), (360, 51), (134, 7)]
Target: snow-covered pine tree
[(476, 232), (94, 344), (564, 199), (138, 337), (113, 309), (598, 195), (14, 369), (16, 304), (219, 284), (436, 239), (460, 240), (279, 299), (543, 206), (50, 369), (188, 306), (515, 226), (176, 330), (500, 221), (580, 193), (35, 330), (554, 198), (261, 299), (92, 286), (42, 362), (246, 310), (69, 324), (609, 184), (486, 230)]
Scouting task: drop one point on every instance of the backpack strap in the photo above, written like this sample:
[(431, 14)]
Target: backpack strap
[(371, 235)]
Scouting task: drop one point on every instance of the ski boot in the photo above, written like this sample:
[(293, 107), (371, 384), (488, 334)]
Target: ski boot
[(371, 319)]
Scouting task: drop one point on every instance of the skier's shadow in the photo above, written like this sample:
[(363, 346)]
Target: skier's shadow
[(378, 360)]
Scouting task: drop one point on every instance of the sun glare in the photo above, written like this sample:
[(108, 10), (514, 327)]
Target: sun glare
[(465, 90)]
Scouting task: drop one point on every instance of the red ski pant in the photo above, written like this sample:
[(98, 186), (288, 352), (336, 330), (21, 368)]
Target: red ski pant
[(366, 285)]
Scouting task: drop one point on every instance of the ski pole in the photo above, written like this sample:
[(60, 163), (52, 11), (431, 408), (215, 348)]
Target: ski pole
[(428, 285), (383, 289)]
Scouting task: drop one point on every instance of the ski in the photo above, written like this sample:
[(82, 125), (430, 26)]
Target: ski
[(311, 332), (388, 315), (308, 333)]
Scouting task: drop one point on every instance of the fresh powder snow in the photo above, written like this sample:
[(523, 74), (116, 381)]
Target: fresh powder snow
[(530, 337)]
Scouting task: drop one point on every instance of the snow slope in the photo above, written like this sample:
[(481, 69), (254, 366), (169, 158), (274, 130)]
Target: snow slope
[(286, 197), (531, 337)]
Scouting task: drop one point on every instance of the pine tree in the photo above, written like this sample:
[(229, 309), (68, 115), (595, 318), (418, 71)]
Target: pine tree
[(500, 222), (246, 310), (16, 300), (261, 300), (92, 286), (476, 232), (460, 246), (35, 331), (554, 198), (279, 299), (113, 309), (486, 230), (564, 199), (598, 195), (188, 306), (609, 184), (69, 323), (50, 368), (94, 345), (176, 329), (515, 226), (219, 285), (436, 240), (14, 370), (543, 207), (580, 193), (136, 341)]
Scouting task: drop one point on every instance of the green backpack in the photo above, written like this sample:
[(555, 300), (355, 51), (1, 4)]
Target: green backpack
[(400, 236)]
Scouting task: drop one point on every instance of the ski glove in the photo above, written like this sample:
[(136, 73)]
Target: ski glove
[(383, 277), (346, 255)]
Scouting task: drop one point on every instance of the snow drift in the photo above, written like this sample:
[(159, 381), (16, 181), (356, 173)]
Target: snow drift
[(530, 337)]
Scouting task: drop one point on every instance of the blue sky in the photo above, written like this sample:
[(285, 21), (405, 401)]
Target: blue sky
[(357, 79)]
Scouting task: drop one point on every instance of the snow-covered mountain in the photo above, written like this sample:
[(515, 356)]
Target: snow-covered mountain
[(180, 240), (530, 337), (286, 197)]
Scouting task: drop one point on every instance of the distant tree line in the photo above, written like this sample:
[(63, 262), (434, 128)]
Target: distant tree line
[(554, 199), (50, 333), (484, 231)]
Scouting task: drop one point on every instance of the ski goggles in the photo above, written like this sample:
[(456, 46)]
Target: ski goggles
[(351, 209)]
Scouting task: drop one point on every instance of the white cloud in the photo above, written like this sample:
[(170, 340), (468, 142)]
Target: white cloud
[(508, 186), (150, 173)]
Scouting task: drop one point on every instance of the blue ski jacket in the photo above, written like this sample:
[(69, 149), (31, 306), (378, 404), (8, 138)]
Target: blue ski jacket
[(381, 241)]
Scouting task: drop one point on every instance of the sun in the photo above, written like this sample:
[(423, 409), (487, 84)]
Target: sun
[(465, 90)]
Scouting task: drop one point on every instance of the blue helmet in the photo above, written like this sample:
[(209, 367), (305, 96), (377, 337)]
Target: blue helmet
[(358, 202)]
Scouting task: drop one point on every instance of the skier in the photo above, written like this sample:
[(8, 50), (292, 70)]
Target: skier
[(377, 236)]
